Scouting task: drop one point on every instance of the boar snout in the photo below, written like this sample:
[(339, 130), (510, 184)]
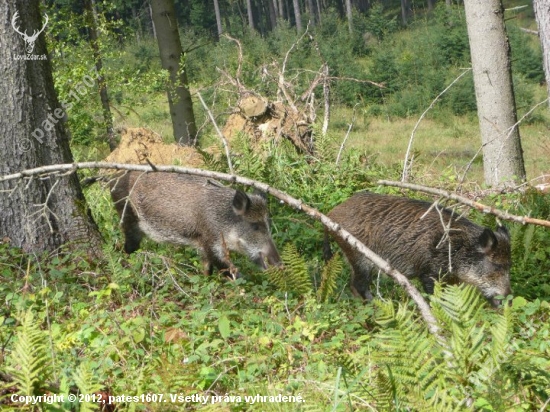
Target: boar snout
[(268, 258)]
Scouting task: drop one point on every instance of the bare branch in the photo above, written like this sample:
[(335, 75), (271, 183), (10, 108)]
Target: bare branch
[(240, 60), (461, 199), (220, 134), (347, 135), (535, 32), (407, 165)]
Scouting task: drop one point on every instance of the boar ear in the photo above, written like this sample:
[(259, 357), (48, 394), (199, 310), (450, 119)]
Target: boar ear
[(241, 203), (503, 231), (487, 240), (260, 193)]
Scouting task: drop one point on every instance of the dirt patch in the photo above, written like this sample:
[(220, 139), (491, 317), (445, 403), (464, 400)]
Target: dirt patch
[(138, 144)]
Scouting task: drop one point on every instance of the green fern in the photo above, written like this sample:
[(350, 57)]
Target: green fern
[(293, 276), (410, 356), (29, 364), (329, 275), (88, 384), (409, 369), (460, 310)]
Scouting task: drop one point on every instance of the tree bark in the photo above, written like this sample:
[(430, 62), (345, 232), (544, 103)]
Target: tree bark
[(91, 20), (171, 53), (250, 15), (272, 14), (404, 11), (218, 17), (281, 9), (542, 15), (349, 16), (297, 15), (311, 10), (490, 50), (36, 214)]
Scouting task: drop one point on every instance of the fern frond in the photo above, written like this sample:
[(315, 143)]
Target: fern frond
[(29, 364), (293, 276), (88, 384), (330, 273), (459, 308), (410, 357)]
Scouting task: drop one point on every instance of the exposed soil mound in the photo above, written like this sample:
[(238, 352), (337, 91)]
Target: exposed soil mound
[(138, 144)]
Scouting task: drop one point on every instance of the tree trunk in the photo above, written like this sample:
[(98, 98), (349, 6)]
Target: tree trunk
[(431, 5), (250, 15), (404, 11), (297, 15), (319, 14), (218, 17), (171, 56), (542, 14), (91, 20), (152, 22), (311, 10), (281, 9), (272, 14), (349, 16), (490, 50), (36, 214)]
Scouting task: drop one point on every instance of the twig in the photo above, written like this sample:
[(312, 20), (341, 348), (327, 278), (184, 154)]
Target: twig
[(239, 61), (346, 136), (281, 80), (475, 205), (510, 131), (326, 96), (220, 134), (407, 165), (535, 32)]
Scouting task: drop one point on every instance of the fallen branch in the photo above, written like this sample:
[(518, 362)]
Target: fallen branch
[(475, 205), (297, 204)]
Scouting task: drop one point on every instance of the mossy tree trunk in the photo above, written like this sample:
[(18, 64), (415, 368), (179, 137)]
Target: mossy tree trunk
[(35, 214)]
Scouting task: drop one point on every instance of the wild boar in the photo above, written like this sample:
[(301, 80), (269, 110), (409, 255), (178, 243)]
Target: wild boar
[(188, 210), (413, 240)]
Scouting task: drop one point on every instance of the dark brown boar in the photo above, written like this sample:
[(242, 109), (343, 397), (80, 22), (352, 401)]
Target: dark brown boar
[(188, 210), (413, 241)]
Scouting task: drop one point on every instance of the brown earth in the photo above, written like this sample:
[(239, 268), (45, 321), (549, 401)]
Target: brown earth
[(138, 144)]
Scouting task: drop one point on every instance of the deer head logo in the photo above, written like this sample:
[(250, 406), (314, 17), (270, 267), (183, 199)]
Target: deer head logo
[(29, 40)]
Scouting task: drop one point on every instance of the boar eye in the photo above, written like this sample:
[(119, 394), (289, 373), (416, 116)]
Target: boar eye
[(255, 226)]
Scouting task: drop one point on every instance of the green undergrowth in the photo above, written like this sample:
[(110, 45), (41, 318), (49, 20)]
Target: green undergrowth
[(150, 323)]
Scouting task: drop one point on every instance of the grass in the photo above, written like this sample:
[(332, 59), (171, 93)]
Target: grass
[(442, 145)]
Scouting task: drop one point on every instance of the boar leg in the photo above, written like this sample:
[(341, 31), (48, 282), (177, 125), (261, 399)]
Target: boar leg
[(360, 277), (131, 230), (210, 261)]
